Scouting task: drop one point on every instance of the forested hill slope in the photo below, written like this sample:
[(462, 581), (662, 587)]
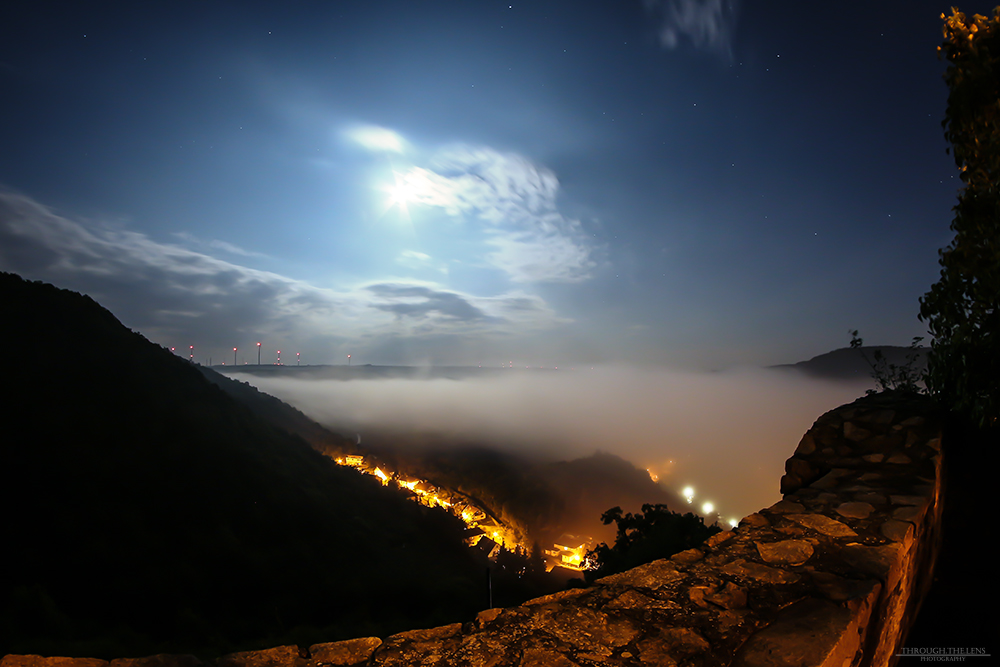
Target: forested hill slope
[(144, 510), (280, 414)]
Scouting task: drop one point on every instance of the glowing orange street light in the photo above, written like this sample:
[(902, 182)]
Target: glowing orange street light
[(234, 356), (258, 354)]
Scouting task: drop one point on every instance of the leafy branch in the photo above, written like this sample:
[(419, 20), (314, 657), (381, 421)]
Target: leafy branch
[(887, 375)]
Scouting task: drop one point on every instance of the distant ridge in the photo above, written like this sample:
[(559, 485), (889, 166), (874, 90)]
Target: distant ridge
[(375, 372), (850, 364)]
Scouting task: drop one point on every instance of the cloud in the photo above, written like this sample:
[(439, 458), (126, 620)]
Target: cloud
[(161, 288), (375, 138), (413, 259), (428, 309), (514, 200), (216, 244), (419, 302), (707, 24), (172, 293)]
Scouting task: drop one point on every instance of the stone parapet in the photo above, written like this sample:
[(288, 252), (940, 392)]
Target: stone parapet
[(830, 575)]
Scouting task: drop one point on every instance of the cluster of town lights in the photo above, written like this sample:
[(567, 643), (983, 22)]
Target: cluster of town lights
[(572, 556), (707, 508)]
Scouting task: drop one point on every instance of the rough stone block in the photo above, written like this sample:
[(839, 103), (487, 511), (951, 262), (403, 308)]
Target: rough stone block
[(345, 653), (785, 552), (809, 632), (855, 510), (758, 573), (159, 660), (671, 646), (279, 656), (39, 661), (897, 531), (653, 575), (823, 524)]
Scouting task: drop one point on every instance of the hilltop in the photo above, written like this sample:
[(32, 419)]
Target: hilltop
[(849, 363)]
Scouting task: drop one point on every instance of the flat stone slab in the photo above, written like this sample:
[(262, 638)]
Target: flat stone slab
[(806, 633), (785, 552)]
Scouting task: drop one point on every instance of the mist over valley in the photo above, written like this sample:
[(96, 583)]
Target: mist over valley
[(726, 434)]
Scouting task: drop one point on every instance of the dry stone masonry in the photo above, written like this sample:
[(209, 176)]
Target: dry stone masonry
[(830, 575)]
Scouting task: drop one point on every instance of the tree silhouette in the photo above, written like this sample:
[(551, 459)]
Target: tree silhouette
[(962, 309), (642, 538)]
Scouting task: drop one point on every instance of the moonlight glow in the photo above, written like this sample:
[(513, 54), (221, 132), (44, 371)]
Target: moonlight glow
[(376, 138)]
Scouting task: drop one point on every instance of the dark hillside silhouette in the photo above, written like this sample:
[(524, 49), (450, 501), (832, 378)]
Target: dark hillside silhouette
[(850, 363), (280, 414), (145, 510)]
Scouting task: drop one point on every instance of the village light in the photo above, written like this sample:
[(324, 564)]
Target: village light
[(688, 493), (708, 508)]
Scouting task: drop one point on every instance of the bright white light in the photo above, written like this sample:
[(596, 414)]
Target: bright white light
[(707, 508), (734, 522), (401, 192), (688, 493), (421, 187), (376, 138)]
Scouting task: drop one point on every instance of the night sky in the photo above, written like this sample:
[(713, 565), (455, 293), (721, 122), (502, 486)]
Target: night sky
[(688, 183)]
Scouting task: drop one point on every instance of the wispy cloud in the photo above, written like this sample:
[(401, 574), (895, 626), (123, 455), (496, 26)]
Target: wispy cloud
[(170, 292), (414, 259), (215, 244), (426, 308), (707, 24), (418, 302), (514, 200), (375, 138)]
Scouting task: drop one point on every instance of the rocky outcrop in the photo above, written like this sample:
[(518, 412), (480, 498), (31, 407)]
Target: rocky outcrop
[(830, 575)]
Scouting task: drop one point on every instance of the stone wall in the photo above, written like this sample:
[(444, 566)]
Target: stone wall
[(830, 575)]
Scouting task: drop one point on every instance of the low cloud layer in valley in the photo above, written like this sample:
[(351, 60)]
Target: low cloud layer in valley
[(725, 434)]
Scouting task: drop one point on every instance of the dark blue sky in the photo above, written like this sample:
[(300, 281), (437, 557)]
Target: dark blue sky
[(690, 183)]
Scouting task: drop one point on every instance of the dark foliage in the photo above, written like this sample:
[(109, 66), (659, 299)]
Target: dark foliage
[(643, 538), (280, 414), (144, 510), (889, 376), (962, 309)]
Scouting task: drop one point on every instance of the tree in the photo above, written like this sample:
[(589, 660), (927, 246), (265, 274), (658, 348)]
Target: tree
[(642, 538), (962, 309)]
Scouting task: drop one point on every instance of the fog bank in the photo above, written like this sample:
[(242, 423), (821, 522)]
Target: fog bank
[(727, 435)]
